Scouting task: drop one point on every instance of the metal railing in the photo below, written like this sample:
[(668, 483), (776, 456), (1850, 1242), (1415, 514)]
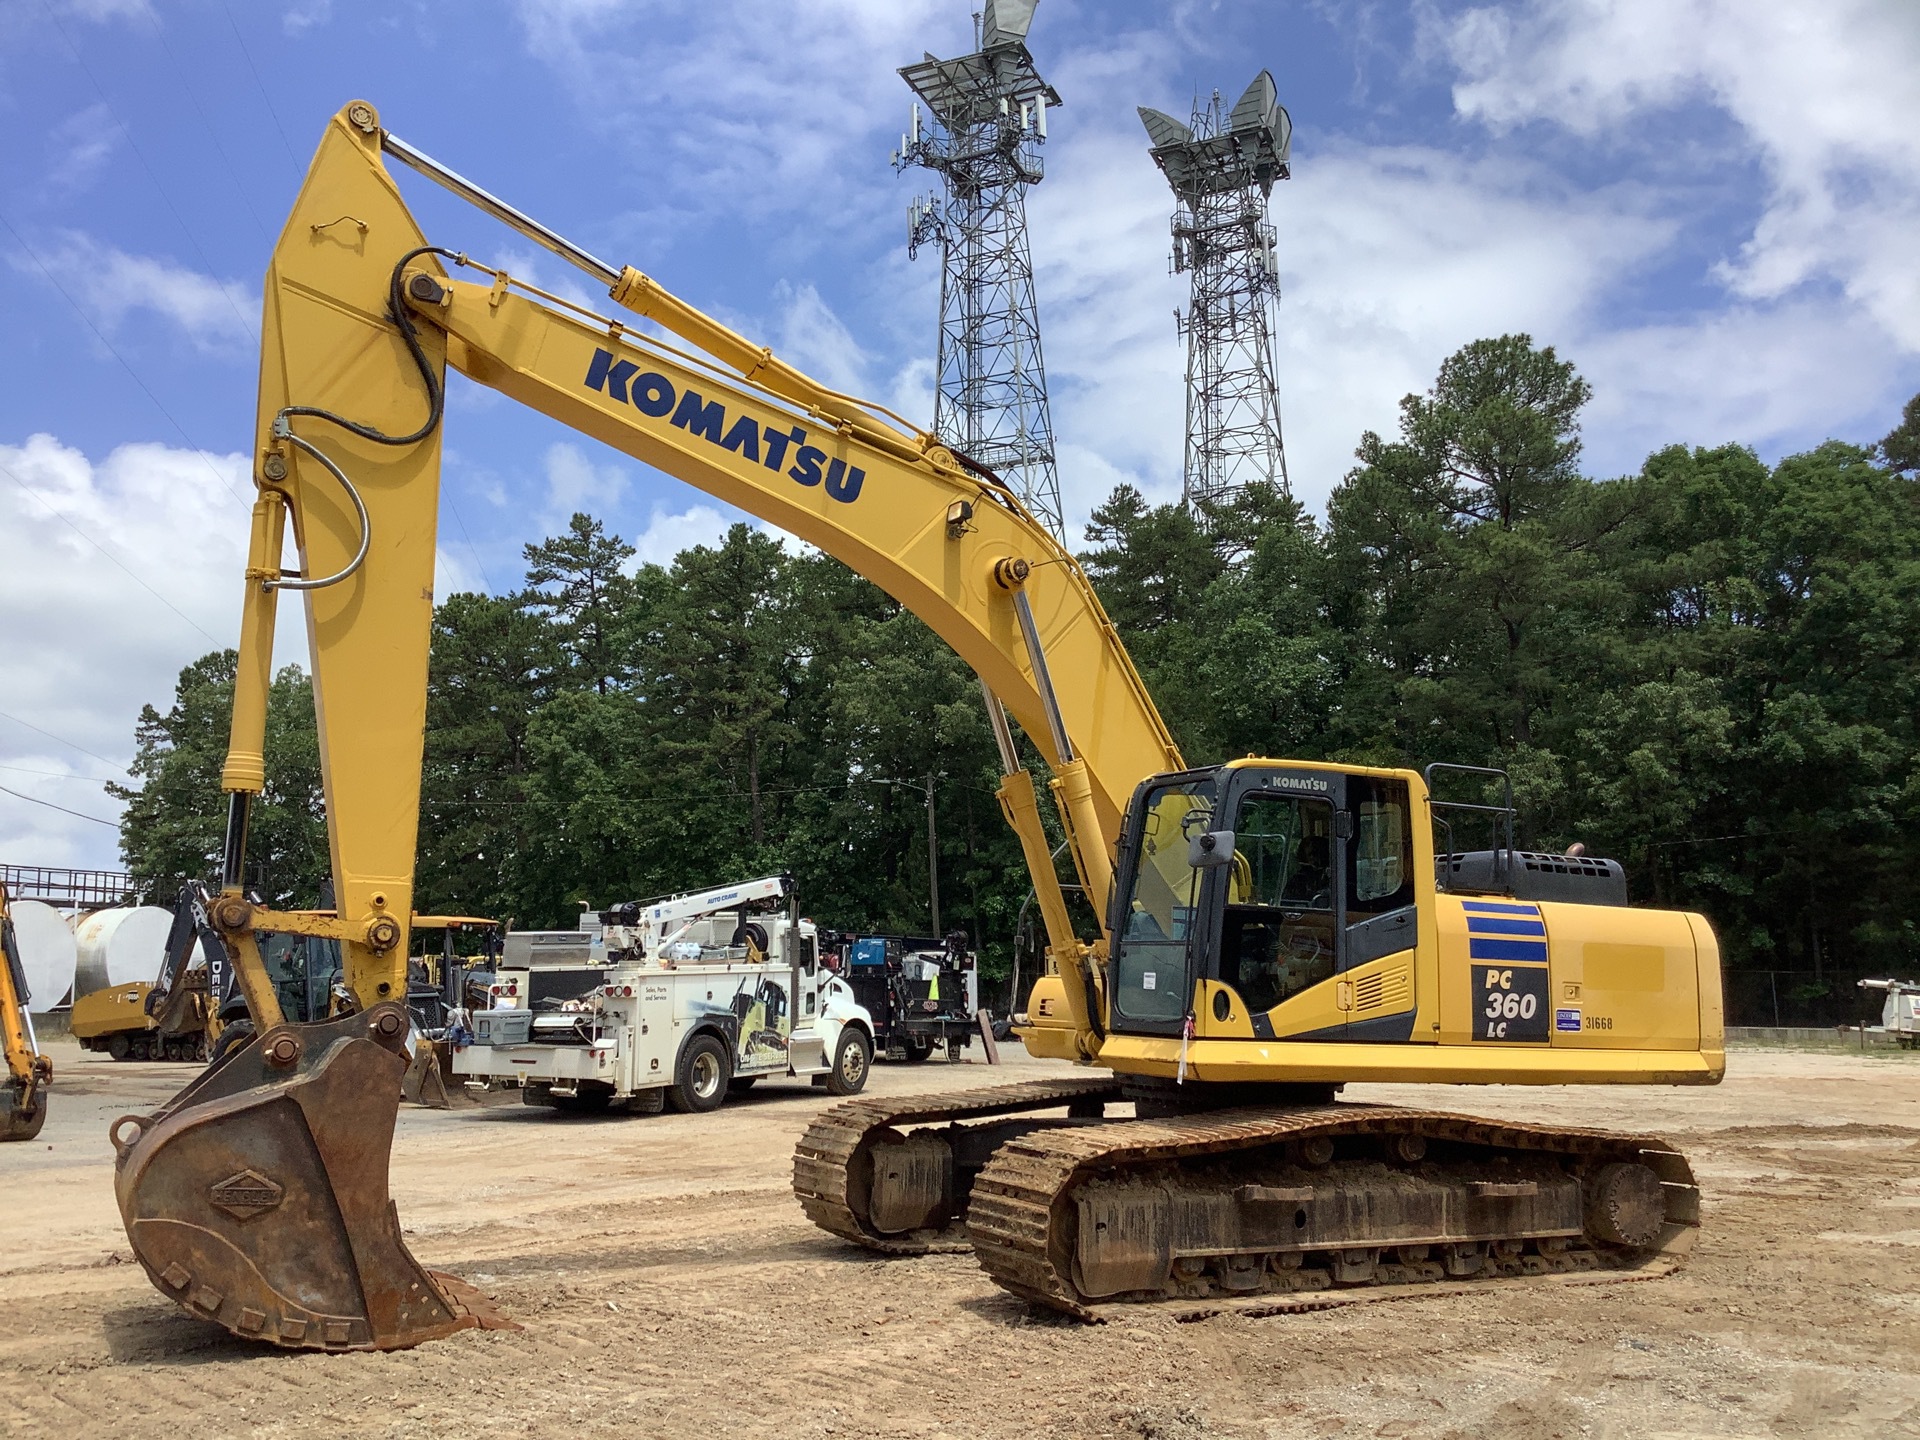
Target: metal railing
[(70, 889), (1501, 821)]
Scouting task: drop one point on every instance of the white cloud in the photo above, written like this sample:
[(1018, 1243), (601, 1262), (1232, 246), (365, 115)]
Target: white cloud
[(454, 575), (1392, 258), (216, 315), (297, 19), (576, 483), (1826, 95), (669, 532), (808, 334), (81, 145), (735, 101), (1772, 377), (87, 642), (101, 10)]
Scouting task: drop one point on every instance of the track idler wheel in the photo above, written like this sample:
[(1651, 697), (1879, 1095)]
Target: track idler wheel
[(258, 1196), (1626, 1205)]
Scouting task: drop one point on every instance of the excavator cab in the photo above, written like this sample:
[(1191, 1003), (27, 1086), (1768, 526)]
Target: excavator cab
[(1268, 900), (1256, 883)]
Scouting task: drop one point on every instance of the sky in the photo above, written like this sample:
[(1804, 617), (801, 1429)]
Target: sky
[(1709, 206)]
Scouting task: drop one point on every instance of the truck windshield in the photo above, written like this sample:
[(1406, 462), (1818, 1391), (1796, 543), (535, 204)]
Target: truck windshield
[(1151, 974)]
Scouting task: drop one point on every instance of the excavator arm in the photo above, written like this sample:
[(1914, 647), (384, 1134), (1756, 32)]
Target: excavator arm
[(361, 321), (258, 1196)]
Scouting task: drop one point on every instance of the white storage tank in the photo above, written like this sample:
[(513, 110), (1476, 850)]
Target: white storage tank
[(47, 952), (119, 946)]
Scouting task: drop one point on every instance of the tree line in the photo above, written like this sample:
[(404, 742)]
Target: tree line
[(1706, 670)]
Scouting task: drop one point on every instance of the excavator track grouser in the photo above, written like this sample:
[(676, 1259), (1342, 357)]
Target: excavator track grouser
[(1314, 1203)]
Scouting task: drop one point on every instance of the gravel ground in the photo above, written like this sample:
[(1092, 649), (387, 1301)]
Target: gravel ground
[(668, 1285)]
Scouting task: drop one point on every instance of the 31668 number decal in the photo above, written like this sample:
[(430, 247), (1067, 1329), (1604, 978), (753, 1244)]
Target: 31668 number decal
[(1510, 1002)]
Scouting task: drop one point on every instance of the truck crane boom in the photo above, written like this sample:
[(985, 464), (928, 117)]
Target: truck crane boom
[(1259, 969), (652, 926)]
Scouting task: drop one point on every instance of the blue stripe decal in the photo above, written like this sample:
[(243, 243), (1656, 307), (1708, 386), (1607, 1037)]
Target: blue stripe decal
[(1494, 907), (1489, 925), (1479, 949)]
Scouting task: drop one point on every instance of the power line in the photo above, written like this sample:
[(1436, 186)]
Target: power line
[(213, 134), (56, 774), (63, 740), (68, 522), (165, 198), (133, 374), (460, 520), (259, 84), (111, 824)]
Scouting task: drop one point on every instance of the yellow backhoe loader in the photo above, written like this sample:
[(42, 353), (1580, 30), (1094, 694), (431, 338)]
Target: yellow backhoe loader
[(1272, 928), (23, 1101)]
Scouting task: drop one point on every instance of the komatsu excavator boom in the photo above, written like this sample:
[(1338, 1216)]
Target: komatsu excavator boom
[(1272, 928)]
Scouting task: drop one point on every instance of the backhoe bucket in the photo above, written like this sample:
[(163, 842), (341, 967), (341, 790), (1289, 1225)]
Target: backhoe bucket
[(23, 1109), (258, 1196)]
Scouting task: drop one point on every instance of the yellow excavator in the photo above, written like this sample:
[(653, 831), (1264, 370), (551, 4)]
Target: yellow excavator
[(23, 1100), (1272, 929)]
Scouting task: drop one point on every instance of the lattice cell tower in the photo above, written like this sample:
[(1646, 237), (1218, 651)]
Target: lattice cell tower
[(1222, 168), (989, 120)]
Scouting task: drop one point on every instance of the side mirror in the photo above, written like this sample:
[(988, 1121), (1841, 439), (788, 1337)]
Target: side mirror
[(1214, 848)]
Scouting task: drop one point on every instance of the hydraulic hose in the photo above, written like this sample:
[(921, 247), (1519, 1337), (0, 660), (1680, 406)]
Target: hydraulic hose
[(436, 407)]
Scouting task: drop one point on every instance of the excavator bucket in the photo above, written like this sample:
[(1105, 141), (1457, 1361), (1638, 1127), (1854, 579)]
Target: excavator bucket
[(427, 1079), (258, 1196)]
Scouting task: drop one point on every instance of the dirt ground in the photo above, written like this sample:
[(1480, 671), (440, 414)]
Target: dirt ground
[(669, 1286)]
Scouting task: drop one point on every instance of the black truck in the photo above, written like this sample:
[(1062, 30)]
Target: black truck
[(922, 992)]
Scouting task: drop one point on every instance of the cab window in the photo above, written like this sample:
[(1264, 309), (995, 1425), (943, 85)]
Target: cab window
[(1151, 972), (1279, 932), (1381, 875)]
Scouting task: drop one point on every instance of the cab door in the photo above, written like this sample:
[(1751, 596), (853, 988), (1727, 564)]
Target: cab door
[(1318, 922), (1161, 903), (1280, 930)]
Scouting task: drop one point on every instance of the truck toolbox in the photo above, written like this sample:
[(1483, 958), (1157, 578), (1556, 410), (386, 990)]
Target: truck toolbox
[(502, 1027)]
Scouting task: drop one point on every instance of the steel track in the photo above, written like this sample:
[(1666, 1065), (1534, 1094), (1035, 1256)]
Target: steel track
[(1021, 1212)]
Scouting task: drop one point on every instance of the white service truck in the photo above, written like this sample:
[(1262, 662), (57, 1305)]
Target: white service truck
[(1900, 1016), (679, 1002)]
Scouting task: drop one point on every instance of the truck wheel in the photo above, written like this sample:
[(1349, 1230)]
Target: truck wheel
[(917, 1048), (700, 1079), (541, 1095), (118, 1046), (852, 1059)]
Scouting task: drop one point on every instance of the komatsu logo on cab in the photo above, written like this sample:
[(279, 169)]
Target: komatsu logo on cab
[(651, 393)]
